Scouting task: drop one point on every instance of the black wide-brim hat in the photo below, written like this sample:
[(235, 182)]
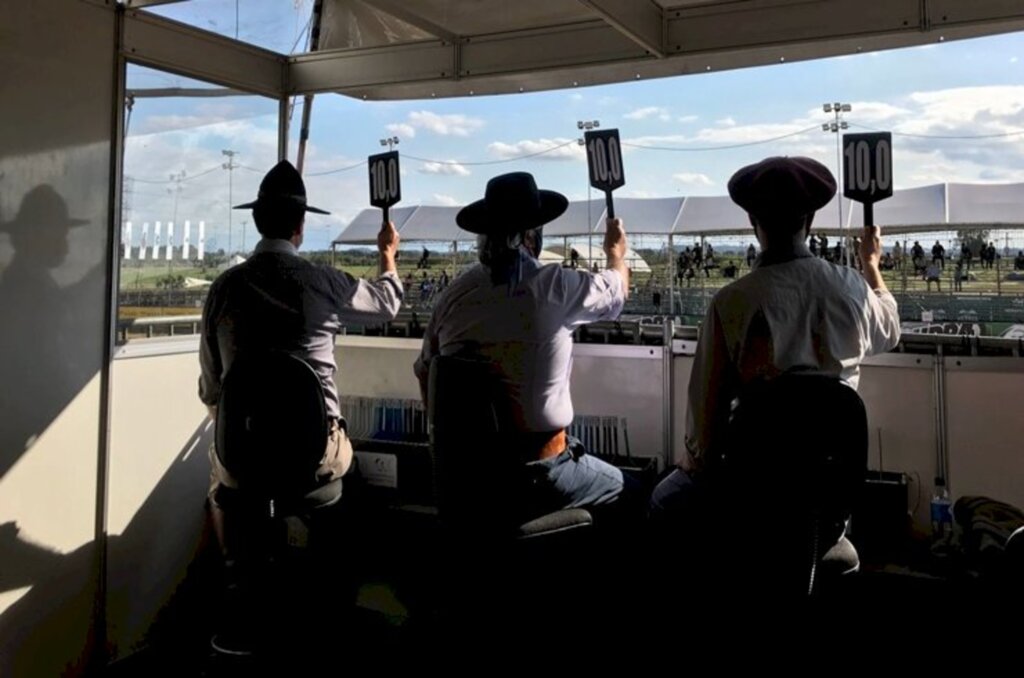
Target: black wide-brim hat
[(42, 207), (282, 185), (512, 203), (782, 187)]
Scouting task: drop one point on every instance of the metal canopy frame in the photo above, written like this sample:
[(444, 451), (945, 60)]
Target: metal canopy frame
[(626, 40)]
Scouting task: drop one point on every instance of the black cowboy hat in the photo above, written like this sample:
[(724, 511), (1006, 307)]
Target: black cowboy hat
[(512, 203), (282, 185), (782, 187), (42, 207)]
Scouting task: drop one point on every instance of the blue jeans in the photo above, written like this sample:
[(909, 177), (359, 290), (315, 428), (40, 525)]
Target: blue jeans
[(570, 480), (678, 504)]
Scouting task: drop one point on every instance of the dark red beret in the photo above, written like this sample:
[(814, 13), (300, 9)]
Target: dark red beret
[(782, 187)]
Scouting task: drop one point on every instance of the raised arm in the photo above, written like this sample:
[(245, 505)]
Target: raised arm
[(615, 249)]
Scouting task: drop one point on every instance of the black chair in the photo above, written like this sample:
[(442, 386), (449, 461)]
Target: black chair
[(494, 542), (796, 459), (271, 433)]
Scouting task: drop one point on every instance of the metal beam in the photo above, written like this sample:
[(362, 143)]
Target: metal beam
[(400, 10), (138, 4), (699, 38), (170, 45), (641, 21)]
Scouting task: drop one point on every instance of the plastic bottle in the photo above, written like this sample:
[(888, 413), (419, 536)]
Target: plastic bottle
[(942, 512)]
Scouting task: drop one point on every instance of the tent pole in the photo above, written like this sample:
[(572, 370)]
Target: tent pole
[(671, 277)]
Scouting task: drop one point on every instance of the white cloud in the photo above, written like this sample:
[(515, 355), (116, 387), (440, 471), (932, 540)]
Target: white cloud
[(1013, 60), (446, 200), (450, 168), (449, 124), (649, 112), (687, 118), (559, 148), (694, 179), (576, 96), (726, 122), (402, 129)]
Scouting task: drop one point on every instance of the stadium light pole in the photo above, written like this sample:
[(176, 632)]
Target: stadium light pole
[(230, 167), (837, 109), (390, 142), (587, 125)]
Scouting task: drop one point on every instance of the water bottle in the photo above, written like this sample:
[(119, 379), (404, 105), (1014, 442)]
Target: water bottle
[(942, 512)]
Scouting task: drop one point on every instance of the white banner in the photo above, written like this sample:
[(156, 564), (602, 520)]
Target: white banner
[(156, 241), (170, 240), (145, 241), (202, 241), (184, 240), (126, 239)]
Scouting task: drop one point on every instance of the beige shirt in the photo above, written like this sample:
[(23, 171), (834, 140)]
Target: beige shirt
[(805, 314)]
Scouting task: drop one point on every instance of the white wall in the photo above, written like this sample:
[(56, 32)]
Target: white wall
[(58, 61), (985, 402), (159, 474)]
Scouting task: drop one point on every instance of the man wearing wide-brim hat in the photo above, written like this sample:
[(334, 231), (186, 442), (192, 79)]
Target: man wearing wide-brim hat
[(792, 312), (519, 316), (279, 301)]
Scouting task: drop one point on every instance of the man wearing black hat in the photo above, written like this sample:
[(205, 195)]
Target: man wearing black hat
[(278, 301), (519, 315), (793, 311)]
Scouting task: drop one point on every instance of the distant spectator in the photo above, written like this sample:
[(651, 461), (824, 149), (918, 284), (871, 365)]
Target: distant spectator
[(959, 276), (966, 255), (424, 261), (730, 270), (752, 252), (656, 300), (574, 258), (939, 254), (812, 245), (933, 274), (917, 252), (824, 245), (991, 252), (1018, 263), (897, 256)]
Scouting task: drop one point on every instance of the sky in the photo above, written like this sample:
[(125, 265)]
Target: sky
[(962, 88)]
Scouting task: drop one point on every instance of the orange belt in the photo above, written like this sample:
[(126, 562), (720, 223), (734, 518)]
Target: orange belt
[(543, 445)]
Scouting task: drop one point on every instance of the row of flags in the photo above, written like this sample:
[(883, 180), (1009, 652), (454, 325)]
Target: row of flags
[(152, 248)]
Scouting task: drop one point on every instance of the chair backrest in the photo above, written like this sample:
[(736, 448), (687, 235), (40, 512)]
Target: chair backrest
[(795, 460), (474, 469), (271, 425)]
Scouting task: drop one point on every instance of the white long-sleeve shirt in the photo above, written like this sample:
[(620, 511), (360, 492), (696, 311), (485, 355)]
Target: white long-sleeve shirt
[(526, 331), (805, 314)]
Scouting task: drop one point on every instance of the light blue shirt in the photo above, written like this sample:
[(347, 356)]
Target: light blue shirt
[(526, 331)]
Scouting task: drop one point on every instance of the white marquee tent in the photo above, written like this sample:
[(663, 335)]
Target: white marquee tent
[(912, 210)]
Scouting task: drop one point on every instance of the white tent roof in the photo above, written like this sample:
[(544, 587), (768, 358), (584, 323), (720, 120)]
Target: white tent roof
[(925, 208), (986, 203), (912, 209), (366, 225), (578, 219), (650, 216), (432, 222)]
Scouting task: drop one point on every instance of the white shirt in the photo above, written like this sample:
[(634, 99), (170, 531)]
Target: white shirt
[(525, 331), (805, 314)]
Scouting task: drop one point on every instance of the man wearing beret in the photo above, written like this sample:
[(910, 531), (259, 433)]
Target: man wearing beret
[(518, 315), (792, 312)]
